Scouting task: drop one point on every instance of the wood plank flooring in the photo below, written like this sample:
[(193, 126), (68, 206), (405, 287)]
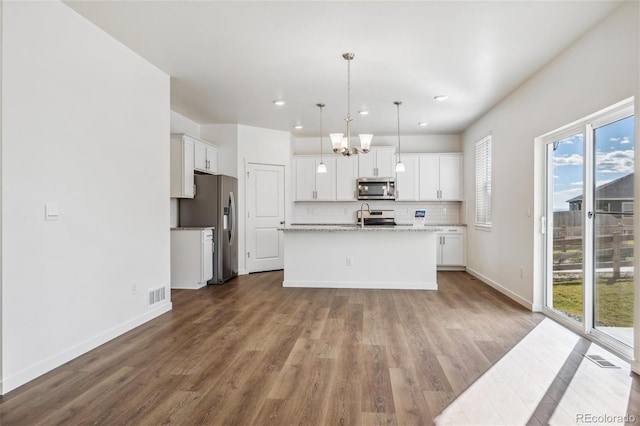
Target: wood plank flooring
[(252, 352)]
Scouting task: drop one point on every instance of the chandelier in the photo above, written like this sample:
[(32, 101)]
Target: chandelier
[(340, 143)]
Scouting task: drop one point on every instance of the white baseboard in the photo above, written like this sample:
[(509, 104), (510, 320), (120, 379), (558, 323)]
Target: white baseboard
[(511, 295), (44, 366)]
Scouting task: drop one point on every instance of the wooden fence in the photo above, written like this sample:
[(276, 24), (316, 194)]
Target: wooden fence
[(613, 247)]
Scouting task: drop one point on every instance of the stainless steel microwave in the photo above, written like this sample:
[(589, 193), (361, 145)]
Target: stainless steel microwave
[(376, 188)]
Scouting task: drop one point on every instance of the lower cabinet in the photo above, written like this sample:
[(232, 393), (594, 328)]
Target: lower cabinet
[(451, 248), (191, 257)]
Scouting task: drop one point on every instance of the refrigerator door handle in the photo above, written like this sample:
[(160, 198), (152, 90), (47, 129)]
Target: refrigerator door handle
[(232, 212)]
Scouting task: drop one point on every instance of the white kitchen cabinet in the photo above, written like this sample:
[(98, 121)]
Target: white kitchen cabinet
[(311, 185), (379, 162), (191, 257), (440, 177), (205, 157), (407, 182), (451, 248), (346, 176), (182, 165)]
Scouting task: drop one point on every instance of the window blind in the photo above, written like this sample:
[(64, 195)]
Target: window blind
[(483, 182)]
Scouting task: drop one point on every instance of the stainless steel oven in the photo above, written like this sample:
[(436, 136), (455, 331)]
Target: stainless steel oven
[(376, 188)]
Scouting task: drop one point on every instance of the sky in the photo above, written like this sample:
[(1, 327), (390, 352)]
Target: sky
[(614, 149)]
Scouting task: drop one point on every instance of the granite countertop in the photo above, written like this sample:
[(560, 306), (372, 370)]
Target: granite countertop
[(192, 228), (354, 227)]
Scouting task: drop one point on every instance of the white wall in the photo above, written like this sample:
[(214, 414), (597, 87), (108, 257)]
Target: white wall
[(182, 124), (408, 143), (85, 126), (1, 190), (598, 70), (265, 146)]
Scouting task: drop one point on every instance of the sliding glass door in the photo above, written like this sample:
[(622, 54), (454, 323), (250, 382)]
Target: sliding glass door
[(589, 226), (565, 276), (613, 240)]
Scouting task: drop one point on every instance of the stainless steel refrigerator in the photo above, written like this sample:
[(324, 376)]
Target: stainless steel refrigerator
[(215, 205)]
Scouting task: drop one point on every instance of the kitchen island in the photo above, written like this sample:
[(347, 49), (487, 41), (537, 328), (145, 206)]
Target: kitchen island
[(347, 256)]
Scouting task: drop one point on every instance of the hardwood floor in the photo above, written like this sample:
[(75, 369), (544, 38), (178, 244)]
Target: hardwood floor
[(253, 352)]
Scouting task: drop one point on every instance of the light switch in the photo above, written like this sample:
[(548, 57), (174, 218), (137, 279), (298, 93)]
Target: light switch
[(51, 211)]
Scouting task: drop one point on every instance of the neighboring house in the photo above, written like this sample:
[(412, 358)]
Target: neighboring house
[(614, 196)]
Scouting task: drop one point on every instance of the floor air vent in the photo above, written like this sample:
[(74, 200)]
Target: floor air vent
[(600, 361), (157, 295)]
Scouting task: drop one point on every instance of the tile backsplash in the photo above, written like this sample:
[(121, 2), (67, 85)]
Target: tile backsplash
[(437, 212)]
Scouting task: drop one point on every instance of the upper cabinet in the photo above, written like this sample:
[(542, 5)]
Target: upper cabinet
[(205, 157), (181, 153), (379, 162), (408, 182), (441, 177), (346, 176), (188, 154), (311, 185), (427, 177)]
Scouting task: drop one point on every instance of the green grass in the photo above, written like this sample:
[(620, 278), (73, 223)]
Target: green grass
[(614, 302)]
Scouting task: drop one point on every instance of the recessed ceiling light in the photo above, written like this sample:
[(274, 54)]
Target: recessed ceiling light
[(279, 102), (364, 112), (298, 126), (423, 123), (441, 97)]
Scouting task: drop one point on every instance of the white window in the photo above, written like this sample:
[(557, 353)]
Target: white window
[(483, 182), (627, 207)]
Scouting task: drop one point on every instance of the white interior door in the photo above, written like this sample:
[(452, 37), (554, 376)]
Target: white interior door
[(265, 214)]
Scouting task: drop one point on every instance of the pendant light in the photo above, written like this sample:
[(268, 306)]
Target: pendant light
[(399, 165), (322, 168), (341, 144)]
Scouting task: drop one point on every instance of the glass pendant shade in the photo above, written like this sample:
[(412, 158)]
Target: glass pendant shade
[(400, 167), (345, 142), (336, 140), (365, 141), (322, 168)]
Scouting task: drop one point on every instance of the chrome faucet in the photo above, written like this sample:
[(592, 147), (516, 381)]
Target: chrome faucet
[(362, 213)]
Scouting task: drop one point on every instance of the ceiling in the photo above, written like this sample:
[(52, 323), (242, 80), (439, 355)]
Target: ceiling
[(229, 60)]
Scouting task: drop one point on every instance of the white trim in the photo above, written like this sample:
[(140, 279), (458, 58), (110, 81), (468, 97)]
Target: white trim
[(511, 295), (42, 367)]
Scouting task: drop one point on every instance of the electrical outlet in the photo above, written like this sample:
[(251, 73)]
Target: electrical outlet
[(349, 261), (521, 272), (444, 210), (134, 289)]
